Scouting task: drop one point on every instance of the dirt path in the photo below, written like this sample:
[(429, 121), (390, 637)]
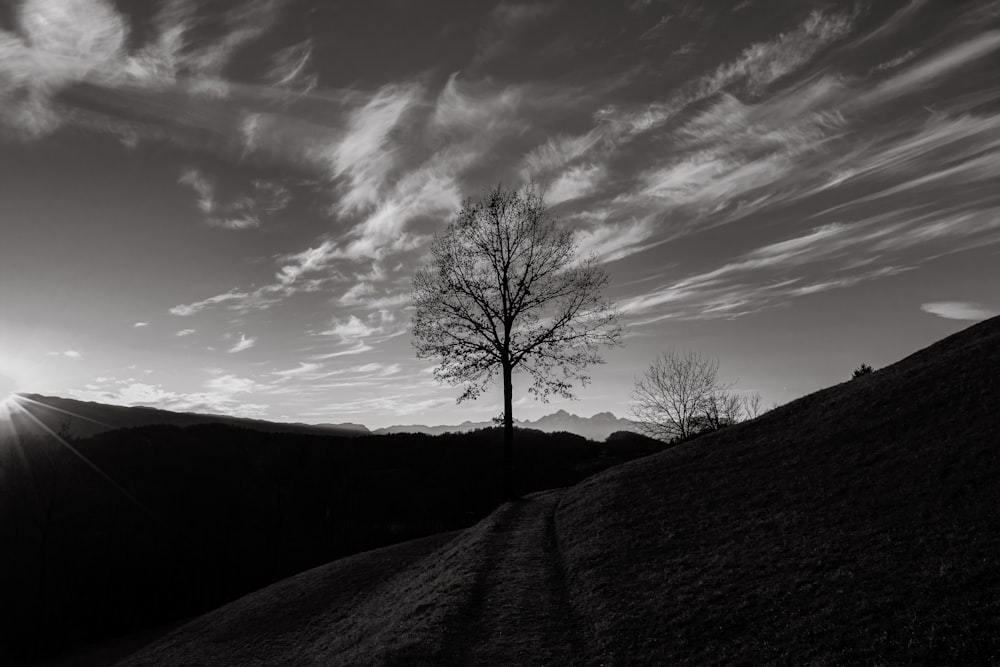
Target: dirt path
[(517, 612)]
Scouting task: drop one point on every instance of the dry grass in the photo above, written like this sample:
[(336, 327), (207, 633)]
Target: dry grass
[(856, 525), (457, 598)]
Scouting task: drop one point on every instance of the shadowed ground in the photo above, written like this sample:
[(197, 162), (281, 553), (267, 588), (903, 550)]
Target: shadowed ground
[(858, 525), (495, 589)]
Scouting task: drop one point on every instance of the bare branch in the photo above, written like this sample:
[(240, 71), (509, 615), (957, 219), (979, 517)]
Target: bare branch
[(504, 288), (680, 395)]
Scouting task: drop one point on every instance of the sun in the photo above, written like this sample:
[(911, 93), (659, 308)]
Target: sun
[(7, 384), (10, 384)]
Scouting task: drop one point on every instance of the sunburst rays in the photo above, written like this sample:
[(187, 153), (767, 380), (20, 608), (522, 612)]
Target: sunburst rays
[(16, 419)]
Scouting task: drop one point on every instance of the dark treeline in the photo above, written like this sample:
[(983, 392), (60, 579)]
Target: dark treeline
[(208, 513)]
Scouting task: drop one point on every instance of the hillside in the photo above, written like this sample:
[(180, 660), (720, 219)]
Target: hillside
[(855, 525), (164, 523), (87, 418)]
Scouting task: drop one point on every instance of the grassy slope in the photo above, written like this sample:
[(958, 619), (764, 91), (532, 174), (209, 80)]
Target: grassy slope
[(453, 599), (858, 524)]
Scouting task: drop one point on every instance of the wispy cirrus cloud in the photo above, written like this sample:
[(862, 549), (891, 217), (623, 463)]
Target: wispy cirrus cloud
[(56, 44), (764, 63), (244, 343), (839, 254), (931, 68), (358, 348), (725, 151), (609, 242), (378, 324), (748, 138), (246, 211), (223, 393), (291, 68), (364, 158), (303, 369), (959, 310), (185, 310)]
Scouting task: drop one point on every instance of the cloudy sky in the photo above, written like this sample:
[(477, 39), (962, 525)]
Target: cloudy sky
[(219, 206)]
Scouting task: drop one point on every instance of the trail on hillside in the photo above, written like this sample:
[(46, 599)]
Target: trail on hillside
[(518, 611)]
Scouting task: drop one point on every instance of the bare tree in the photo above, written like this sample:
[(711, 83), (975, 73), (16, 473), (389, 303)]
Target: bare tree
[(680, 395), (505, 290), (721, 409), (752, 405)]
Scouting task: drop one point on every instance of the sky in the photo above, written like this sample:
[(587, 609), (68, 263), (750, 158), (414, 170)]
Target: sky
[(219, 206)]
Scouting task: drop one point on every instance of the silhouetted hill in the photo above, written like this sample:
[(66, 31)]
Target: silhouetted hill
[(86, 418), (857, 525), (161, 522), (596, 428)]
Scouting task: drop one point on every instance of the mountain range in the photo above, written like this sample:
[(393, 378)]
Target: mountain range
[(598, 427)]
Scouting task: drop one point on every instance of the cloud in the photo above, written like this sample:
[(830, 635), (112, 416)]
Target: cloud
[(290, 68), (59, 43), (217, 399), (184, 332), (465, 106), (288, 282), (72, 354), (893, 63), (186, 310), (242, 24), (726, 160), (841, 255), (140, 325), (229, 385), (198, 182), (610, 242), (377, 369), (919, 75), (897, 20), (304, 368), (358, 293), (559, 151), (763, 63), (574, 183), (351, 329), (751, 73), (359, 347), (363, 159), (958, 310), (245, 211), (243, 343)]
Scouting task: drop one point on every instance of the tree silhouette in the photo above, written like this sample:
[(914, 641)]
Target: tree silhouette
[(505, 290), (863, 369), (680, 395)]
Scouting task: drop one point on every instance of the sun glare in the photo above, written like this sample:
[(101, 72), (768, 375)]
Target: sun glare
[(8, 397)]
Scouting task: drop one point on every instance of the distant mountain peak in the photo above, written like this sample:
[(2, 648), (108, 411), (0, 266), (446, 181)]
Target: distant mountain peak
[(598, 427)]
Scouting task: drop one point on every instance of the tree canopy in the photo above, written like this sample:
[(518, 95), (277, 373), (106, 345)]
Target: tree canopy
[(506, 289)]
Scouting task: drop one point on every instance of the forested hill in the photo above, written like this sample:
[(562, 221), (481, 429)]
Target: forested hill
[(163, 522)]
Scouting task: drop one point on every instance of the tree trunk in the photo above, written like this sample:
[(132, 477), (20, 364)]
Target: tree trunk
[(508, 434)]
